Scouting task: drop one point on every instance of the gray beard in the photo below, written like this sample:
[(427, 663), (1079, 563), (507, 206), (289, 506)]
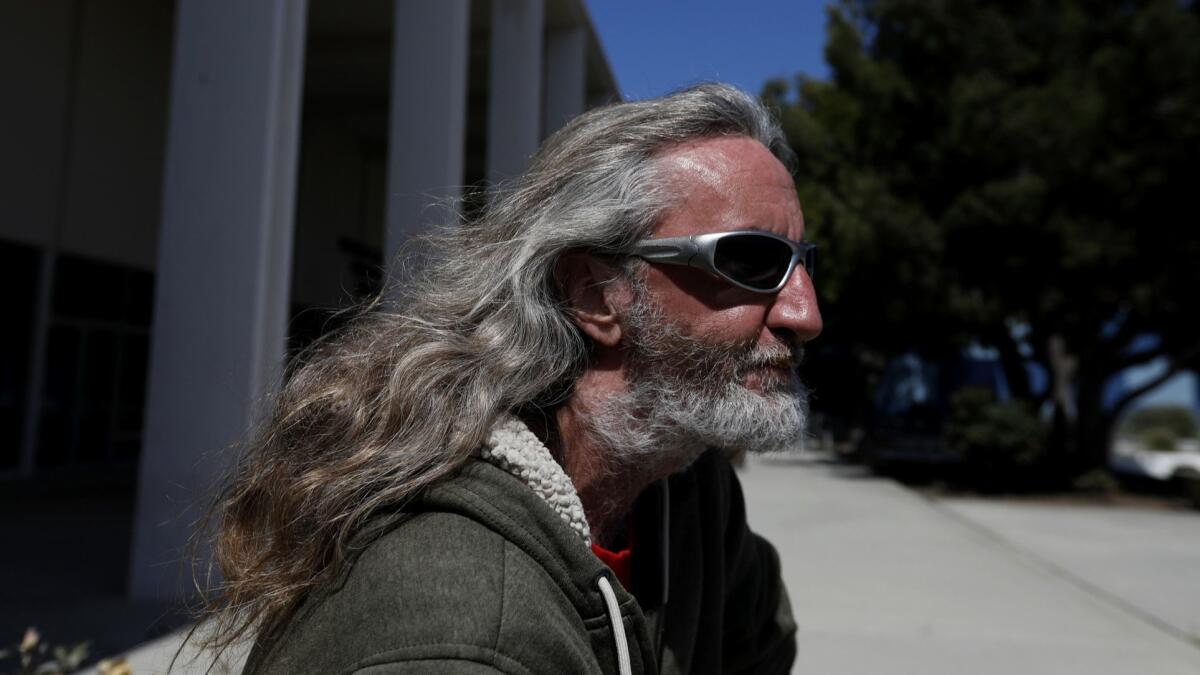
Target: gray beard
[(686, 395)]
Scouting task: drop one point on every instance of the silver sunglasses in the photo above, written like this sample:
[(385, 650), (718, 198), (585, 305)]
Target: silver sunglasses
[(756, 261)]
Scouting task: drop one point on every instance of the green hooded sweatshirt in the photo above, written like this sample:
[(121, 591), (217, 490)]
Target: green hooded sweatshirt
[(481, 574)]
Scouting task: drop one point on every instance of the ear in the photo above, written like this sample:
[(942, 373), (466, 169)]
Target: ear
[(586, 284)]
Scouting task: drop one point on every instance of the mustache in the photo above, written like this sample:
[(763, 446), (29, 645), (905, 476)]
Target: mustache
[(775, 355)]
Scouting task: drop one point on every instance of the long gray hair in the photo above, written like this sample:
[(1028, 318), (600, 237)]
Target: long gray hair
[(407, 392)]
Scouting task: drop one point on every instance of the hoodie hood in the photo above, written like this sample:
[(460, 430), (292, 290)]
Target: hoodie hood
[(514, 448)]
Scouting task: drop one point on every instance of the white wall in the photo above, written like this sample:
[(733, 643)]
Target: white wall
[(221, 292), (515, 86), (565, 78), (427, 130)]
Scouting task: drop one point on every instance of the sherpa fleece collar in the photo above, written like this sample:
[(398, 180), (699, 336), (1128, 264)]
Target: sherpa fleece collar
[(517, 450)]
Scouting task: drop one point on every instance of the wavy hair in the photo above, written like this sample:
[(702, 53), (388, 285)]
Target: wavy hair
[(404, 395)]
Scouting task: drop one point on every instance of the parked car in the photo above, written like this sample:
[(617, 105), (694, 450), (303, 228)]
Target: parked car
[(1181, 465)]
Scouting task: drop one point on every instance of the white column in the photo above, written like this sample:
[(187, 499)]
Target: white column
[(428, 116), (224, 262), (515, 88), (566, 78)]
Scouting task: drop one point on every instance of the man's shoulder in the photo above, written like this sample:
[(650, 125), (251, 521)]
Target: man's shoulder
[(430, 586), (426, 546), (440, 558)]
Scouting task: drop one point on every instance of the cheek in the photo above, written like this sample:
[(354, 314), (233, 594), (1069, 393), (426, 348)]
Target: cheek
[(702, 306), (739, 323)]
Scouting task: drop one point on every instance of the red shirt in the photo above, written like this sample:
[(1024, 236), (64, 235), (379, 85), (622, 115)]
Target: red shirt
[(620, 562)]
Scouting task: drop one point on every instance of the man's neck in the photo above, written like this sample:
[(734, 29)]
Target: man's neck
[(606, 486)]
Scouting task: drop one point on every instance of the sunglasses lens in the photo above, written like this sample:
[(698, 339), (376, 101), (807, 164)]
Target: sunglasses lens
[(753, 260)]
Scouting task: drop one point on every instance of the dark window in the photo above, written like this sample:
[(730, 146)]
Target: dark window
[(19, 267), (95, 364)]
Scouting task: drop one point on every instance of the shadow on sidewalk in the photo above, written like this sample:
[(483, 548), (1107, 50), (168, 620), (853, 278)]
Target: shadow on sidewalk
[(65, 569)]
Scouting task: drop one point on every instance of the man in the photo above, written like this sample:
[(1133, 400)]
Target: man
[(518, 467)]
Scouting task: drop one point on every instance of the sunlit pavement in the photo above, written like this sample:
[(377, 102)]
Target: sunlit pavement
[(164, 657), (1145, 560), (883, 580)]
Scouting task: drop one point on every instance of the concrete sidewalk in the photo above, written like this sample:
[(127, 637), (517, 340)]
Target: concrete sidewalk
[(884, 581), (1143, 559)]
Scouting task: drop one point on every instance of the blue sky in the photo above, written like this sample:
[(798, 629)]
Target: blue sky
[(656, 46)]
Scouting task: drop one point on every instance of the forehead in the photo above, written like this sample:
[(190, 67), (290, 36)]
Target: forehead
[(728, 183)]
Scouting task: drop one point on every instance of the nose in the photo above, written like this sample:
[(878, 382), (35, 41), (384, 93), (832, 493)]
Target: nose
[(795, 307)]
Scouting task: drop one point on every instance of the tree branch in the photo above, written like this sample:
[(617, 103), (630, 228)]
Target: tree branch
[(1131, 395), (1189, 358), (1137, 359)]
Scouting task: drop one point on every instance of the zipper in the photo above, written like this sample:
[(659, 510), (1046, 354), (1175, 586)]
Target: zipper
[(665, 557)]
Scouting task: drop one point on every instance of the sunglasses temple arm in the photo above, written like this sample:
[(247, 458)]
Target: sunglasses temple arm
[(674, 250)]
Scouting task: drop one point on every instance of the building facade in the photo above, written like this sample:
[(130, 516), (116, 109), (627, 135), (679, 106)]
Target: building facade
[(193, 189)]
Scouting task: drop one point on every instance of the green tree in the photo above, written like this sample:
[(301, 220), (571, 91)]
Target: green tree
[(1021, 173)]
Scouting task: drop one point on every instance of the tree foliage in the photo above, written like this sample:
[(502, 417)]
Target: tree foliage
[(1180, 420), (1020, 173)]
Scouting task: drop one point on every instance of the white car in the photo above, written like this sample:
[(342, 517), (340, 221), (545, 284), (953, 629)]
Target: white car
[(1182, 465)]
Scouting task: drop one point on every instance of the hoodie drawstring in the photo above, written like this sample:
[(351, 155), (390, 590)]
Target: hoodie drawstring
[(618, 626)]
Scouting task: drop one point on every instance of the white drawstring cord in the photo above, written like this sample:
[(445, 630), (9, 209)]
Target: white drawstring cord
[(618, 626)]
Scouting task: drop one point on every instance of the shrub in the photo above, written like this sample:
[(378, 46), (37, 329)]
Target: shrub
[(1161, 439), (1178, 420), (989, 435), (35, 656), (1097, 480)]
